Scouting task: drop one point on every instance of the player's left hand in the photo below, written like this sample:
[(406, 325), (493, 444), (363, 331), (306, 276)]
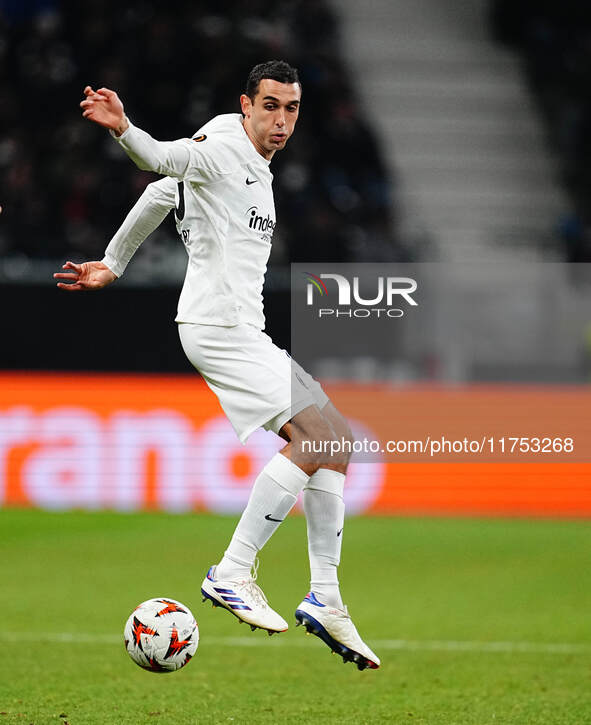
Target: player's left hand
[(85, 276), (105, 108)]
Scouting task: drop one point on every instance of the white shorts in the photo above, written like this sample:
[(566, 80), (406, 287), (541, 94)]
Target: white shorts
[(257, 383)]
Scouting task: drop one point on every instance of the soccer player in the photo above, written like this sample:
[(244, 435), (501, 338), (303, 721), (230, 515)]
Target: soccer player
[(219, 184)]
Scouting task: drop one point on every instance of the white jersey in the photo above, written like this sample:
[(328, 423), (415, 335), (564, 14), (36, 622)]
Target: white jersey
[(225, 215)]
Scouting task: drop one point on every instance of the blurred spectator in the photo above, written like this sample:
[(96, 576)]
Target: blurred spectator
[(65, 188)]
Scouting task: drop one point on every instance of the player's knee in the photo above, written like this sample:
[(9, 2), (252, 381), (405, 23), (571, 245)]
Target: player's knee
[(342, 428), (342, 431), (330, 448), (315, 442)]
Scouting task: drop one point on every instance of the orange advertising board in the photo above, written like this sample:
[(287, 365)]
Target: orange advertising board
[(134, 442)]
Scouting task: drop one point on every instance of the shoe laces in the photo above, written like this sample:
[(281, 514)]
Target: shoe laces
[(254, 572), (252, 588), (256, 592)]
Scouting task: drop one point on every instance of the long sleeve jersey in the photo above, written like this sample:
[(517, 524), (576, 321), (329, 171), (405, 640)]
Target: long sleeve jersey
[(220, 188)]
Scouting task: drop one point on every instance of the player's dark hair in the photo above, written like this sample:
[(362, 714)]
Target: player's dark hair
[(275, 70)]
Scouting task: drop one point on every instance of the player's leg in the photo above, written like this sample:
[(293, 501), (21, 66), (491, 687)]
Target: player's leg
[(323, 491), (272, 497), (322, 611), (230, 583), (274, 493), (324, 508)]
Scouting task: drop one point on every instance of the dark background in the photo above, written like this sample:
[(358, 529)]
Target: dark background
[(65, 188), (117, 328)]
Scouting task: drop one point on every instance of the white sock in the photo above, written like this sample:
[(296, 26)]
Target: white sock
[(325, 515), (274, 493)]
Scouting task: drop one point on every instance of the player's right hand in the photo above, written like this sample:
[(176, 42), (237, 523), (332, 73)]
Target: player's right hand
[(85, 276), (105, 108)]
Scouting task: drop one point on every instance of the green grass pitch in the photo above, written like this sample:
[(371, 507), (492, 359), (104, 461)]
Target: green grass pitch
[(477, 622)]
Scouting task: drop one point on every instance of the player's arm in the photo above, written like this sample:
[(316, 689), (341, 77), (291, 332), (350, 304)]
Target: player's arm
[(147, 213), (169, 158)]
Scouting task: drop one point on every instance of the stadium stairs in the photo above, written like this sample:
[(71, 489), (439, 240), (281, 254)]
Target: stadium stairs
[(458, 125)]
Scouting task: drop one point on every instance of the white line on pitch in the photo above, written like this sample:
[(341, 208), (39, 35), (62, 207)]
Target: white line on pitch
[(257, 640)]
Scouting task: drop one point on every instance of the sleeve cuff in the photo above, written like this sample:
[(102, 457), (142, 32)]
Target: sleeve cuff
[(113, 265), (124, 134)]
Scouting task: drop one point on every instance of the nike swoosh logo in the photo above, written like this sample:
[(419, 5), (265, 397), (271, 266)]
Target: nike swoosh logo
[(270, 518), (339, 532), (248, 183)]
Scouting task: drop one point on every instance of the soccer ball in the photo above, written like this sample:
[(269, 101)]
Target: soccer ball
[(161, 635)]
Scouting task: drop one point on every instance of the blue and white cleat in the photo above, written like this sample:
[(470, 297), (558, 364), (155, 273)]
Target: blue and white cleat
[(335, 628), (244, 599)]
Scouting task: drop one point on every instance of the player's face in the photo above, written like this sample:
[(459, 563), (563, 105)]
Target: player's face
[(269, 120)]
